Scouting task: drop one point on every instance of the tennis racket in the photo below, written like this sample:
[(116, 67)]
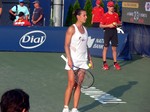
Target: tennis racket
[(83, 77)]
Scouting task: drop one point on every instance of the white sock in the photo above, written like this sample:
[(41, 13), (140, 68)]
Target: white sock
[(65, 106), (74, 108)]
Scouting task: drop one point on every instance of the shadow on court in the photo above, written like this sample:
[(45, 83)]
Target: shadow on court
[(120, 90), (128, 62), (116, 92), (134, 58)]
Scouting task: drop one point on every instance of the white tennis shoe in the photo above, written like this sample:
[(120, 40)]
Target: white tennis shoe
[(66, 110), (74, 110)]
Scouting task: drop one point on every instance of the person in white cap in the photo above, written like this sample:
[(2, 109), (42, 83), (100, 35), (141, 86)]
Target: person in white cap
[(37, 16)]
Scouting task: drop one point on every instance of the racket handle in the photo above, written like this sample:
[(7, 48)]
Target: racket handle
[(64, 58)]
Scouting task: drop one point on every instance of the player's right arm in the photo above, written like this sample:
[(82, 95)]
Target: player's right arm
[(68, 37)]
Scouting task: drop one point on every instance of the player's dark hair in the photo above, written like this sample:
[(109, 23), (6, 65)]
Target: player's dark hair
[(14, 100), (78, 12)]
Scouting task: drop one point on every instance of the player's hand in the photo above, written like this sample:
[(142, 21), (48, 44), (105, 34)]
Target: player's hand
[(70, 64)]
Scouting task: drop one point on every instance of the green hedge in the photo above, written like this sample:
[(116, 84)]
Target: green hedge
[(88, 7)]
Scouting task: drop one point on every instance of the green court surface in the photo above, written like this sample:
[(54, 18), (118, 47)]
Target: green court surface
[(43, 77)]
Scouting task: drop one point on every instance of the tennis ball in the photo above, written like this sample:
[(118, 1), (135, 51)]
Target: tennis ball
[(90, 65), (114, 23)]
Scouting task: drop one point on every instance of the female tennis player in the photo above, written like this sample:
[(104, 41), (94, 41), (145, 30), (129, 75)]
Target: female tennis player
[(77, 54)]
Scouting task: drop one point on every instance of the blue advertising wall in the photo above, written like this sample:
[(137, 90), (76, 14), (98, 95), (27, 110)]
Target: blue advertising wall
[(51, 39)]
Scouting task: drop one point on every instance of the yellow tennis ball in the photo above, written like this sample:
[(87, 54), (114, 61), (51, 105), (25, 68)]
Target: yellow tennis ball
[(114, 23), (90, 65)]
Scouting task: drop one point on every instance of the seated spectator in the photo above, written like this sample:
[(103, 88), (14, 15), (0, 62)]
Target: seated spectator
[(15, 100), (20, 8), (22, 21)]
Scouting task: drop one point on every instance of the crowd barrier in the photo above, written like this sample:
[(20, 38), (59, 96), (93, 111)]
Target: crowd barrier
[(51, 39)]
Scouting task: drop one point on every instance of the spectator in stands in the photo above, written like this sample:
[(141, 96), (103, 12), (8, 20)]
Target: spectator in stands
[(0, 7), (37, 16), (0, 10), (15, 100), (20, 8), (97, 13), (109, 22), (22, 21)]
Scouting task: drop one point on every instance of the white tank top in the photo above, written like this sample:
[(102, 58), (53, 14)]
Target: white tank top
[(78, 46)]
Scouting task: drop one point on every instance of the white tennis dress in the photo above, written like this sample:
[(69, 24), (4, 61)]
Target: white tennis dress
[(78, 49)]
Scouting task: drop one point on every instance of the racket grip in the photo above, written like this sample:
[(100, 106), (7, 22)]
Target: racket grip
[(64, 58)]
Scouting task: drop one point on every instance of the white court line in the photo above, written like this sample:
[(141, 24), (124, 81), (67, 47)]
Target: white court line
[(108, 102), (101, 96)]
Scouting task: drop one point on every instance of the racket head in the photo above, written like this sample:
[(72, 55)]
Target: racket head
[(83, 77), (88, 80)]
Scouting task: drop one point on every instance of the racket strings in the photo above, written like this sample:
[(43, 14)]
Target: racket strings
[(79, 76), (88, 80), (84, 78)]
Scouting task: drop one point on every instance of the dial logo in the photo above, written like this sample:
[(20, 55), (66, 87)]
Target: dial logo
[(32, 39)]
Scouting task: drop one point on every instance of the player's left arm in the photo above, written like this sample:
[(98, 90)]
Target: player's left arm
[(90, 58)]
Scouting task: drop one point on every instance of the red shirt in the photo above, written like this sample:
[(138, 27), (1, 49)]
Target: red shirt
[(110, 18), (22, 23), (97, 13)]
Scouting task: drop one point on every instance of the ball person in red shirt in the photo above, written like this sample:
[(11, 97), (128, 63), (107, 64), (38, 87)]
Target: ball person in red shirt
[(109, 22), (22, 21), (97, 13)]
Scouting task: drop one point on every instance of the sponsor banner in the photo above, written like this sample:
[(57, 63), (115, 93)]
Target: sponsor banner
[(32, 39), (42, 39), (50, 39), (136, 11), (130, 5)]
